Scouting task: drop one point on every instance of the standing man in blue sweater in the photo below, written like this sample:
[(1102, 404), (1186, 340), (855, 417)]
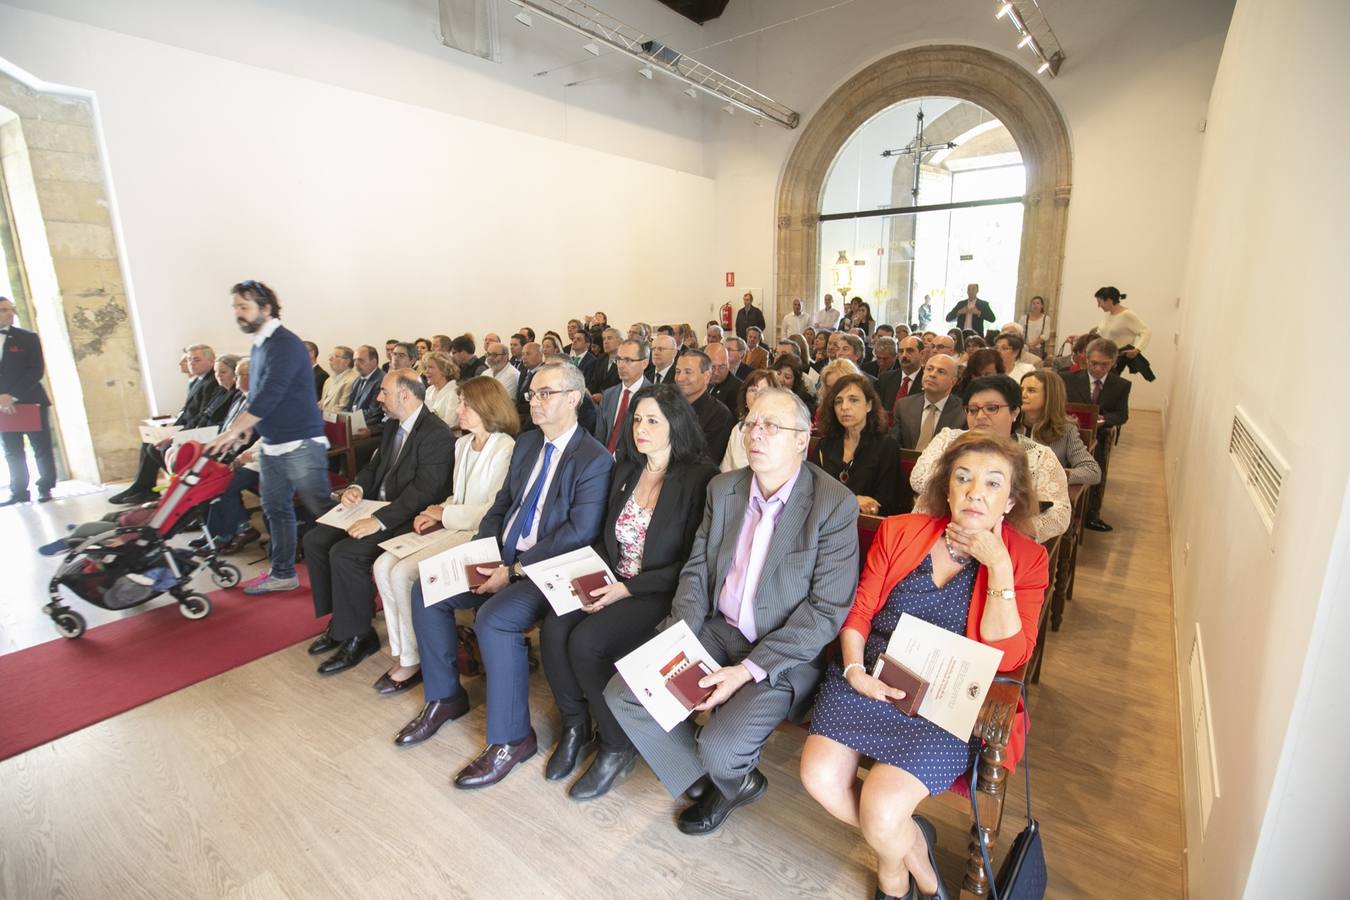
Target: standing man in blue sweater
[(282, 409)]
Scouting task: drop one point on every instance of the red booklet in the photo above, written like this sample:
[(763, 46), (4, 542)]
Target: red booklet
[(682, 678), (26, 417), (896, 674), (582, 585), (475, 577)]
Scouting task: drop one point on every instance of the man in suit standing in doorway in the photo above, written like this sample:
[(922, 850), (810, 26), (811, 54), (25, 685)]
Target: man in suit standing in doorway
[(768, 584), (21, 370)]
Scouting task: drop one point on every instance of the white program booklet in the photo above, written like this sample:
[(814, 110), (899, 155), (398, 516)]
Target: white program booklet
[(554, 576), (201, 435), (647, 669), (443, 575), (957, 669), (406, 545), (154, 432), (343, 516)]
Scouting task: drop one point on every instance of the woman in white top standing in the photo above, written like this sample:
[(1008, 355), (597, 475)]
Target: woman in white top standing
[(1121, 324), (1033, 326), (482, 456), (442, 394)]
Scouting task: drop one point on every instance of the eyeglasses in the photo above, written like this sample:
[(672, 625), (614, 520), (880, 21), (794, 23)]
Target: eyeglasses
[(543, 395), (632, 361), (769, 427), (989, 409)]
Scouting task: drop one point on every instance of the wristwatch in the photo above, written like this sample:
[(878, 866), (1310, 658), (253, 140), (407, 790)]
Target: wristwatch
[(1005, 594), (516, 573)]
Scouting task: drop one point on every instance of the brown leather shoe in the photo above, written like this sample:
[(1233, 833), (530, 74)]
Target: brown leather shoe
[(495, 763), (435, 714)]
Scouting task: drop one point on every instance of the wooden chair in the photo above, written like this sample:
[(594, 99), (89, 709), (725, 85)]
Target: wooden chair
[(1054, 548), (1068, 555), (341, 448), (907, 460)]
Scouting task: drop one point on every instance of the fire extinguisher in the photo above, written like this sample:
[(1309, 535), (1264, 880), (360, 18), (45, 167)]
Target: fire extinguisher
[(727, 318)]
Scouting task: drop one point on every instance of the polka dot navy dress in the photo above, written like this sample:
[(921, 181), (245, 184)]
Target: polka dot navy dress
[(875, 728)]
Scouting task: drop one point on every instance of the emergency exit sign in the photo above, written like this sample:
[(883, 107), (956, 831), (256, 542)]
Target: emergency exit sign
[(731, 279)]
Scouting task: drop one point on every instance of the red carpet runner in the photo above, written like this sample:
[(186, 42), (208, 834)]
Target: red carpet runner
[(62, 686)]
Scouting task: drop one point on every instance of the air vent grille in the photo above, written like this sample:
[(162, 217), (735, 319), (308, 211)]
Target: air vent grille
[(1261, 468)]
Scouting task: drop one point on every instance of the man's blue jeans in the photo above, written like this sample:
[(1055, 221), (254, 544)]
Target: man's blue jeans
[(304, 471)]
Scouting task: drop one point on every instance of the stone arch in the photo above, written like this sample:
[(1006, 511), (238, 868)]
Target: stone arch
[(996, 83)]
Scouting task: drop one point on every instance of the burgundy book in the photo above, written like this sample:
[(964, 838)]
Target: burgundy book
[(582, 585), (25, 418), (896, 674), (475, 577), (682, 678)]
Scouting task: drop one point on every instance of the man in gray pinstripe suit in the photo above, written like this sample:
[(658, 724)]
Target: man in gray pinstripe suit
[(769, 582)]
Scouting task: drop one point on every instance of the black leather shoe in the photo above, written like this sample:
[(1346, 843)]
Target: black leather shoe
[(45, 497), (350, 654), (387, 685), (435, 714), (907, 895), (324, 643), (1097, 525), (607, 768), (15, 500), (575, 743), (930, 838), (133, 496), (698, 789), (708, 814), (495, 763)]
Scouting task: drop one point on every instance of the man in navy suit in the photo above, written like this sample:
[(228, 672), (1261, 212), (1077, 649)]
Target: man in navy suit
[(609, 424), (553, 502), (581, 355), (21, 370)]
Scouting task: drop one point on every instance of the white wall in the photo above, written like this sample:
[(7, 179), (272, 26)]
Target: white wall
[(1132, 91), (1261, 225), (371, 217)]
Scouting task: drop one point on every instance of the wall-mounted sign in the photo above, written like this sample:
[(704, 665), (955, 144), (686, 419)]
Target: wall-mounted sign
[(731, 279), (967, 257)]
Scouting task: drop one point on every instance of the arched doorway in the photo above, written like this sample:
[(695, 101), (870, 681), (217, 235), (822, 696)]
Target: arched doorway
[(986, 82)]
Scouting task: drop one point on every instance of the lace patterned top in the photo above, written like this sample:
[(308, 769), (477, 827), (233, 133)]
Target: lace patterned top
[(630, 530)]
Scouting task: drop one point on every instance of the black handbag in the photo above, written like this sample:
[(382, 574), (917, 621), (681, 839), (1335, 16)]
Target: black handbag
[(1023, 875)]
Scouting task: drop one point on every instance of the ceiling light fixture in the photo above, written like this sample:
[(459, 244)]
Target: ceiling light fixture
[(604, 30), (1026, 39), (1045, 67), (646, 72), (691, 93), (1033, 32), (524, 18), (1003, 10), (592, 48)]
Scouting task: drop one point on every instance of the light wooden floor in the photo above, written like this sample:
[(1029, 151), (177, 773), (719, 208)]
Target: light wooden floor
[(270, 782)]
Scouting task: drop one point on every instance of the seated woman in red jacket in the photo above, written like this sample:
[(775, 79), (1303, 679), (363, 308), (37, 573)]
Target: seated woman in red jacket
[(969, 568)]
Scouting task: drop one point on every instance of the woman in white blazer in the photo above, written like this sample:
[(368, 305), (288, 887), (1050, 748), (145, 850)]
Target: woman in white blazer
[(482, 456)]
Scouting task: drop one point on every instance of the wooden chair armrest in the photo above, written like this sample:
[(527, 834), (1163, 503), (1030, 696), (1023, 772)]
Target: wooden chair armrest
[(995, 721)]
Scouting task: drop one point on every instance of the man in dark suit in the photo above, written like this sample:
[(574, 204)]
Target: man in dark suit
[(662, 368), (411, 471), (205, 405), (926, 412), (748, 315), (553, 502), (462, 351), (692, 371), (736, 363), (768, 584), (605, 374), (365, 394), (971, 313), (1099, 385), (580, 354), (531, 358), (906, 378), (722, 384), (320, 376), (885, 355), (616, 404), (21, 370)]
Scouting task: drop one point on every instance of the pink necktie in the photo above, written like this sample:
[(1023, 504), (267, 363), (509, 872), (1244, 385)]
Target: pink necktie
[(1096, 390)]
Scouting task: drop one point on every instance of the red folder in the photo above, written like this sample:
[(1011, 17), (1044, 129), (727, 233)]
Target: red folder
[(26, 417)]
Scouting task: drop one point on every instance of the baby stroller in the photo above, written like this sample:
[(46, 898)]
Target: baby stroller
[(131, 562)]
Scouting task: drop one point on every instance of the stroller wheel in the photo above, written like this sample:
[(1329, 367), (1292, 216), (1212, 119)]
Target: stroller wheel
[(226, 575), (70, 623), (194, 606)]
